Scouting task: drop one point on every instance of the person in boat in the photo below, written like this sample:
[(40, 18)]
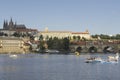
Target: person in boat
[(92, 58)]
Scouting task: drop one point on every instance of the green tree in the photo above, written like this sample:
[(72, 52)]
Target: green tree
[(118, 36), (78, 37), (47, 37), (84, 39), (41, 37), (41, 45), (31, 37), (74, 37), (66, 44), (50, 43), (16, 34)]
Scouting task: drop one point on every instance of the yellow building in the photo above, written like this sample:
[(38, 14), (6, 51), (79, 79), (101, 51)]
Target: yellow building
[(61, 34), (11, 45), (85, 34)]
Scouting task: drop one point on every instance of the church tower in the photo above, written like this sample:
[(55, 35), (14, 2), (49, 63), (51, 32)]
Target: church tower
[(46, 29), (11, 24), (5, 25)]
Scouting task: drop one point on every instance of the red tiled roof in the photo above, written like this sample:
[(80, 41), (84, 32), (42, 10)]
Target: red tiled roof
[(80, 33), (56, 31)]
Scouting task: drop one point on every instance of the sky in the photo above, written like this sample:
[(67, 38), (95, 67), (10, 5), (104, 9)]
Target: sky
[(97, 16)]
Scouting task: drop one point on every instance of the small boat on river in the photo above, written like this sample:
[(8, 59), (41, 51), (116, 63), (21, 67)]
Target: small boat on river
[(111, 59), (51, 51), (13, 56), (93, 60)]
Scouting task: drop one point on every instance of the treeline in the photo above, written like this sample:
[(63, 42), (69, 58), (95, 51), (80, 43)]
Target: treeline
[(54, 43), (3, 34), (102, 36)]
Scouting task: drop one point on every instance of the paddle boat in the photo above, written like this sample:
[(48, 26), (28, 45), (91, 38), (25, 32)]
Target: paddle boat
[(93, 60), (111, 59)]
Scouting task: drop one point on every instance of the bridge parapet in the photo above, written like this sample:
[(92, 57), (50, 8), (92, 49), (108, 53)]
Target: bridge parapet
[(96, 46)]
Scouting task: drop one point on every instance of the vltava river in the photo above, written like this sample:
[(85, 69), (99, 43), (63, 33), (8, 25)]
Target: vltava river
[(56, 67)]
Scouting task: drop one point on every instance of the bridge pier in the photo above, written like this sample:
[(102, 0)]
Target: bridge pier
[(96, 48)]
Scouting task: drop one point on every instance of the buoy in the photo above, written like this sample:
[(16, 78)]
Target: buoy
[(77, 53)]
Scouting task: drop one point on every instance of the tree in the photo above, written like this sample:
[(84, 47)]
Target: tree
[(78, 37), (16, 34), (118, 36), (41, 37), (74, 37), (31, 37), (41, 45), (84, 39), (47, 37), (66, 44), (55, 44), (50, 43)]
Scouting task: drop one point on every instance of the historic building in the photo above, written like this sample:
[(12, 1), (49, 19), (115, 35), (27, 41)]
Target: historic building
[(13, 45), (61, 34), (12, 27)]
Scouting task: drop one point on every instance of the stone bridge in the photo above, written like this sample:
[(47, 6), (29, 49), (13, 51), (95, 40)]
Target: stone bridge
[(95, 46)]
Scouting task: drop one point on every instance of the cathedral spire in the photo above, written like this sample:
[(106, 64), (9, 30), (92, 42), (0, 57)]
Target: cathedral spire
[(11, 24), (11, 19), (5, 25)]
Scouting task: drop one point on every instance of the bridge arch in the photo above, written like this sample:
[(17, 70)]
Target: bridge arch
[(79, 49), (108, 49), (92, 49)]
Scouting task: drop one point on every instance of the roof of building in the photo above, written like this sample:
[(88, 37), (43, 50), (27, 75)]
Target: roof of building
[(10, 38), (64, 32), (55, 31), (21, 26), (80, 33)]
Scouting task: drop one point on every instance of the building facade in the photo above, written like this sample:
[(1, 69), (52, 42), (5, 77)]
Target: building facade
[(62, 34), (12, 45), (11, 27)]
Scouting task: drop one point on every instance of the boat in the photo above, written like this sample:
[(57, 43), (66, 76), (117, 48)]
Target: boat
[(93, 60), (100, 61), (51, 51), (111, 62), (13, 56), (111, 59)]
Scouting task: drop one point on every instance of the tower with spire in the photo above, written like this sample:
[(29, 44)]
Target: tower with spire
[(5, 25), (12, 26)]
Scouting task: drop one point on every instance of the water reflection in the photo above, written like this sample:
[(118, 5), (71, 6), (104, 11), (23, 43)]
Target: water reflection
[(55, 67)]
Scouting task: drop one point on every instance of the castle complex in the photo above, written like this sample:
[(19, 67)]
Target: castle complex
[(10, 44), (11, 27), (62, 34)]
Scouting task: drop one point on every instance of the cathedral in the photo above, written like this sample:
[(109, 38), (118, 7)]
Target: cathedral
[(12, 26)]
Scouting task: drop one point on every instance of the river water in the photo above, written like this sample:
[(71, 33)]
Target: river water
[(56, 67)]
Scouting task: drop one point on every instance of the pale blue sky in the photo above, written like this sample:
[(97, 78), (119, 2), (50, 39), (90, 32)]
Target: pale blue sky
[(98, 16)]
